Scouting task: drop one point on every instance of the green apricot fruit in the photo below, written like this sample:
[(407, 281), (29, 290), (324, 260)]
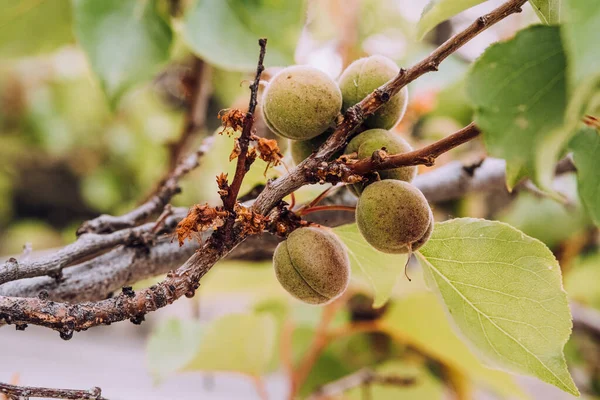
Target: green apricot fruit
[(367, 142), (301, 102), (393, 215), (302, 149), (312, 265), (365, 75)]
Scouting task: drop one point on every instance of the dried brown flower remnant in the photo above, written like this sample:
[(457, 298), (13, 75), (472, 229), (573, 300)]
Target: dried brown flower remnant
[(235, 152), (222, 184), (200, 218), (232, 118), (268, 151), (251, 222)]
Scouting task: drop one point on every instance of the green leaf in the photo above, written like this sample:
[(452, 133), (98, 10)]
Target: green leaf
[(236, 343), (549, 11), (30, 27), (379, 269), (125, 41), (426, 386), (504, 291), (538, 216), (580, 37), (437, 11), (226, 32), (171, 346), (581, 282), (419, 320), (586, 156), (518, 89)]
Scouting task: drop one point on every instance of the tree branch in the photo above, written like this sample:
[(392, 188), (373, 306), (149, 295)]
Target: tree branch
[(85, 247), (425, 155), (25, 392), (168, 189), (195, 116), (243, 162), (359, 378)]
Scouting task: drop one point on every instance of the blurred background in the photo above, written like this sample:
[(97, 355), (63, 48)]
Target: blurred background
[(69, 152)]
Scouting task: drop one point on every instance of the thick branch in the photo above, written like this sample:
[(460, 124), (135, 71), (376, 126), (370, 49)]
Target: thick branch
[(168, 189), (26, 392), (243, 162), (353, 117), (86, 246)]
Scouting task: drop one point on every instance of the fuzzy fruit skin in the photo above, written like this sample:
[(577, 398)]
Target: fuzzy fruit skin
[(312, 265), (391, 215), (365, 75), (374, 139), (302, 149), (301, 102)]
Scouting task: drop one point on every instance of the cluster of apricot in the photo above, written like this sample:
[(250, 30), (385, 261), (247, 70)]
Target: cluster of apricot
[(301, 103)]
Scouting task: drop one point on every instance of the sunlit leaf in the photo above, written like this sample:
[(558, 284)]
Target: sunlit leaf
[(379, 269), (586, 156), (236, 343), (125, 41), (30, 27), (437, 11), (504, 291), (518, 89), (420, 321), (549, 11), (171, 346), (580, 37), (226, 32)]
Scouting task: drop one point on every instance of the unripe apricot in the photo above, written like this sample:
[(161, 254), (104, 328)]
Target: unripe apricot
[(312, 265), (301, 102), (365, 75), (302, 149), (372, 140), (392, 215)]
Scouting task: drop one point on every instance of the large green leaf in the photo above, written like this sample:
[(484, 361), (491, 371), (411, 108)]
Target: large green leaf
[(419, 321), (580, 37), (29, 27), (125, 41), (518, 89), (236, 343), (437, 11), (171, 346), (504, 291), (379, 269), (586, 156), (226, 32), (549, 11)]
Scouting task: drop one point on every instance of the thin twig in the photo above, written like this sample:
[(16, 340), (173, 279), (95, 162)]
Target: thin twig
[(362, 377), (242, 162), (195, 116), (425, 155), (25, 392), (168, 189)]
